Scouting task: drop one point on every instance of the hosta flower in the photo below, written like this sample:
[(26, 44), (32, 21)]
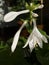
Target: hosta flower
[(39, 7), (12, 15), (35, 38), (16, 37), (34, 6)]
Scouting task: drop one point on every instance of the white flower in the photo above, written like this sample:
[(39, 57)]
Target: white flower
[(34, 14), (39, 7), (12, 15), (16, 37), (35, 38)]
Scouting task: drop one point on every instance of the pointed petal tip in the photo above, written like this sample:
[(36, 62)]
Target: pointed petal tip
[(34, 14), (45, 39), (41, 6), (9, 17), (23, 47), (31, 45), (26, 44), (12, 49)]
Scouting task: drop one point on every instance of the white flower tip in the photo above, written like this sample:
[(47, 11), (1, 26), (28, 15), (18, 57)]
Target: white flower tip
[(31, 4), (41, 6), (16, 38), (45, 39), (34, 14), (10, 16), (47, 36), (14, 44), (31, 45), (24, 23), (15, 41), (26, 44), (23, 47), (12, 49)]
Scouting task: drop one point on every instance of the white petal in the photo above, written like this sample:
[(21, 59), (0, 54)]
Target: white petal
[(44, 39), (15, 41), (34, 14), (16, 37), (31, 45), (28, 40), (34, 40), (10, 16), (26, 44), (23, 11), (37, 33), (23, 25), (39, 41), (41, 6)]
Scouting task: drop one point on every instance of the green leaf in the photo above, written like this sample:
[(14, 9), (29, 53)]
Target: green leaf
[(22, 39)]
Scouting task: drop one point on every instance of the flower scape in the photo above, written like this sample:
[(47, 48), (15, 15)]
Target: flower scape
[(35, 38)]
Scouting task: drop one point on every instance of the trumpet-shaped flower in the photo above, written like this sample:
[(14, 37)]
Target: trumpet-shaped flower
[(33, 6), (16, 37), (12, 15), (35, 38), (39, 7)]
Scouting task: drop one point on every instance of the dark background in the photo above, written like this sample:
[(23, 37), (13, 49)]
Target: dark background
[(46, 16)]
